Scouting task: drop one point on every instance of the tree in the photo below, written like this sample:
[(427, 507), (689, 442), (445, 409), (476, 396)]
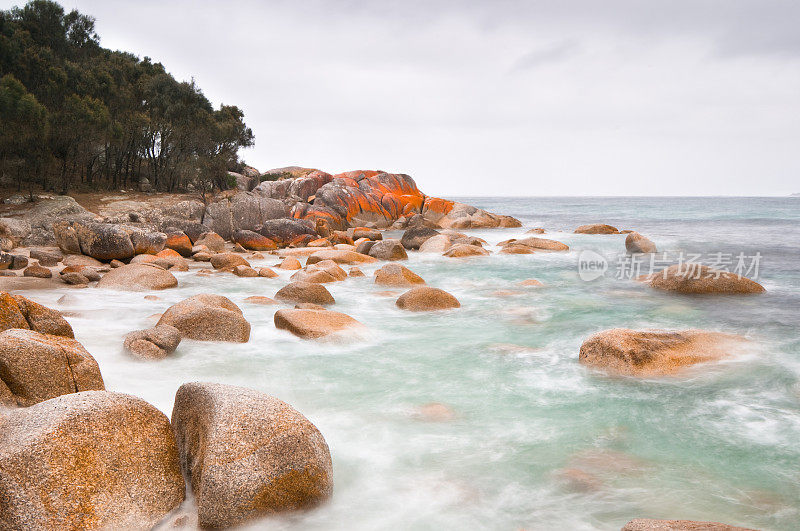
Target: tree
[(24, 131), (110, 119)]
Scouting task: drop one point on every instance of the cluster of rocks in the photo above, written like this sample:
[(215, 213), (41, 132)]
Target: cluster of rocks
[(75, 456)]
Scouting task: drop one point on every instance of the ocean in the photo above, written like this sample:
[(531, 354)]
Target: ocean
[(529, 438)]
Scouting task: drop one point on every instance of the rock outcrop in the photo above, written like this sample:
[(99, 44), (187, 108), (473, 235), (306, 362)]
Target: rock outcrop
[(89, 460), (701, 279), (248, 454), (208, 317), (653, 352), (36, 367), (106, 241)]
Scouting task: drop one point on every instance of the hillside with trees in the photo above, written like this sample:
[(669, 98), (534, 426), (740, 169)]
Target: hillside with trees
[(75, 115)]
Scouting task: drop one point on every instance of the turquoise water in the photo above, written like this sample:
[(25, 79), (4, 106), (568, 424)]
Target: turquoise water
[(536, 441)]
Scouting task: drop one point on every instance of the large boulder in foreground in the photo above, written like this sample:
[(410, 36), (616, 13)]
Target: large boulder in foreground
[(701, 279), (654, 352), (248, 454), (18, 312), (302, 292), (153, 343), (90, 460), (36, 367), (397, 275), (636, 243), (424, 298), (647, 524), (137, 277), (596, 228), (313, 323), (208, 317)]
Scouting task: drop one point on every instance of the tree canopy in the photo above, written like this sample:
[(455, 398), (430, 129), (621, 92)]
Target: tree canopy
[(73, 113)]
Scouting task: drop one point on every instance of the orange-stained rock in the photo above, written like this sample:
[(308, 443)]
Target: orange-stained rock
[(313, 323), (305, 292), (514, 248), (36, 367), (701, 279), (18, 312), (180, 242), (290, 263), (425, 298), (654, 352), (207, 317), (224, 260), (88, 460), (260, 299), (320, 242), (266, 272), (340, 257), (397, 275), (463, 250), (596, 228), (253, 241), (248, 454), (542, 244), (355, 272)]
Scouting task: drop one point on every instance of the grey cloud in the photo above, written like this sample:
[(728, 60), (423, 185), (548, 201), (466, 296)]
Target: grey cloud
[(548, 54)]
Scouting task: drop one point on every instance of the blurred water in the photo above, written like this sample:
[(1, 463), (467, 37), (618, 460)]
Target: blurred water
[(537, 441)]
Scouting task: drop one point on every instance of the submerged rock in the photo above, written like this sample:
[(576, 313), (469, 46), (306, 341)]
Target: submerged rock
[(425, 298), (208, 317), (647, 524), (654, 352), (543, 244), (636, 243), (596, 228), (701, 279), (89, 460), (465, 250), (248, 454), (36, 367), (313, 323)]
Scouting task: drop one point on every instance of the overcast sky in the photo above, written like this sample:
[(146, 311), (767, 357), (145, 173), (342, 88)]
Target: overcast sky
[(496, 97)]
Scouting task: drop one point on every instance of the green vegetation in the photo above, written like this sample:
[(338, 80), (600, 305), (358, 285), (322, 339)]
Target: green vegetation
[(75, 114)]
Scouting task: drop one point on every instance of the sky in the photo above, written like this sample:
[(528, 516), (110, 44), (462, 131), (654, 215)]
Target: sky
[(503, 97)]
